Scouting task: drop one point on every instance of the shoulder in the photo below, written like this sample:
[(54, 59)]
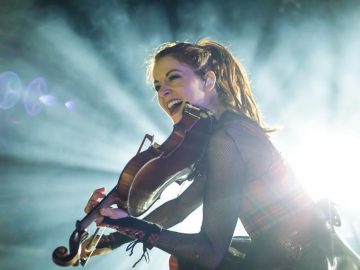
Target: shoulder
[(239, 128), (239, 133)]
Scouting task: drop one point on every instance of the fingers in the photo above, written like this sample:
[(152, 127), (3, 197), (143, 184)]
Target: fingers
[(89, 249), (114, 213), (98, 220), (97, 195)]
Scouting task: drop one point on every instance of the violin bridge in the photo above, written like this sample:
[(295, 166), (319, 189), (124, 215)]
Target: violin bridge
[(148, 137)]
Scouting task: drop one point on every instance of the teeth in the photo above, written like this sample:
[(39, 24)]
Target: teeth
[(172, 103)]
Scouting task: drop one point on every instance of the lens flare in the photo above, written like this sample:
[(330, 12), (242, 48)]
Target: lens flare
[(71, 105), (10, 90), (36, 89), (48, 100)]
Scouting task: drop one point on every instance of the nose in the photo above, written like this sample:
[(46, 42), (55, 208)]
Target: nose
[(164, 90)]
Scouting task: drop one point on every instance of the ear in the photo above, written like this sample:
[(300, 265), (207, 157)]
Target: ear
[(210, 81)]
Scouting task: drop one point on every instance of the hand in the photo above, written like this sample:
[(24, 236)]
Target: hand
[(95, 198), (85, 251), (113, 213), (93, 201)]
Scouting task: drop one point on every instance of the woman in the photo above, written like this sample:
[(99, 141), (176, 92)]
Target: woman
[(244, 176)]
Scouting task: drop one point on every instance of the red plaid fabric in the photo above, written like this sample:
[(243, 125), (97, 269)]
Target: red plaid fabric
[(274, 196), (269, 201)]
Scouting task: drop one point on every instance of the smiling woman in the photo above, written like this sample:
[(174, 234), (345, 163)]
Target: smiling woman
[(176, 82), (240, 176), (209, 67)]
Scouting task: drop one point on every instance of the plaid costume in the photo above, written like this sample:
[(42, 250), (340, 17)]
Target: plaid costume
[(272, 195), (246, 178)]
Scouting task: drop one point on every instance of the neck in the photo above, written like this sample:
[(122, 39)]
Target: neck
[(219, 111), (215, 105)]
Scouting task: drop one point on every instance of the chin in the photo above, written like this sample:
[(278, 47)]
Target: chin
[(176, 119)]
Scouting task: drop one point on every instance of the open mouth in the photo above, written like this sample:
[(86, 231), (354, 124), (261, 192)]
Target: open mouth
[(174, 106)]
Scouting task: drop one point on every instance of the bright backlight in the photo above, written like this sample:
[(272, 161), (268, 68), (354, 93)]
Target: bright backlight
[(327, 164)]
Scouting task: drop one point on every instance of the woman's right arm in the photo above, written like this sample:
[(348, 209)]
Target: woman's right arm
[(167, 215)]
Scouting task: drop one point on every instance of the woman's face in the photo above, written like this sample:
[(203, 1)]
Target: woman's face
[(176, 83)]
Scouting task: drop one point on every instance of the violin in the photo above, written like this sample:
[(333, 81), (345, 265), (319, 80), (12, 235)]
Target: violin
[(147, 175)]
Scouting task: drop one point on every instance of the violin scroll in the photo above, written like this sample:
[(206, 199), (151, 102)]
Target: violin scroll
[(62, 257)]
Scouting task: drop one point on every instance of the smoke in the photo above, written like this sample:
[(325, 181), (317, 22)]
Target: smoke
[(73, 71)]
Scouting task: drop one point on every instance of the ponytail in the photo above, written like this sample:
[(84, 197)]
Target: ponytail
[(232, 83)]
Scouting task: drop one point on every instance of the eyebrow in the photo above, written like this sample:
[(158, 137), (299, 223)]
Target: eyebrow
[(167, 73)]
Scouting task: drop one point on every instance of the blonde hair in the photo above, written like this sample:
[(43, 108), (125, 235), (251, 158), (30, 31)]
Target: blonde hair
[(232, 83)]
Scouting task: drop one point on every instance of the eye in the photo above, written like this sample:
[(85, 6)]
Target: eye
[(157, 88), (174, 77)]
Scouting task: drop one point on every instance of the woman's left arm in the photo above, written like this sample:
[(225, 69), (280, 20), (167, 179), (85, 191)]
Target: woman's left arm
[(225, 170)]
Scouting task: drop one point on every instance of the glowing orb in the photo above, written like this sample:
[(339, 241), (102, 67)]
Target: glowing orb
[(48, 100), (71, 105), (10, 90), (36, 89)]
